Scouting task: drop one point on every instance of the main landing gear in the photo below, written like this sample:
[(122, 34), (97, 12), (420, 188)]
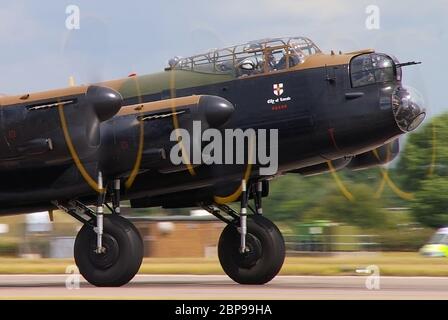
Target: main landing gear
[(108, 248), (251, 248)]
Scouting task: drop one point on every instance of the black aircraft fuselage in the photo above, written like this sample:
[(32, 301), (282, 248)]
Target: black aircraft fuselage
[(336, 107)]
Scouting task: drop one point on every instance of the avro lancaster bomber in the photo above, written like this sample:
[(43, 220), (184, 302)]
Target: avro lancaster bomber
[(83, 149)]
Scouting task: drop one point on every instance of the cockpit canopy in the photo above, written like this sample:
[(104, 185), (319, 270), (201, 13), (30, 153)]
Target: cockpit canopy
[(250, 58)]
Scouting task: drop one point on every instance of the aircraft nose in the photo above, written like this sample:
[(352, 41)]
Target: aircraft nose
[(408, 108), (217, 110)]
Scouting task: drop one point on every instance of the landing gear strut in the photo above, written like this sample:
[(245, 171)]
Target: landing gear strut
[(108, 248), (99, 216), (251, 248), (243, 218)]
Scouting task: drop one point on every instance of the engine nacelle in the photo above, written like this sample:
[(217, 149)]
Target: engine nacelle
[(157, 121), (36, 129)]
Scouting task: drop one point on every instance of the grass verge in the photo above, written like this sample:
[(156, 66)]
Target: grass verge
[(393, 264)]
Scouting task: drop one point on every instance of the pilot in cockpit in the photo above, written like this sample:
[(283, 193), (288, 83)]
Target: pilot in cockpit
[(294, 57), (271, 62)]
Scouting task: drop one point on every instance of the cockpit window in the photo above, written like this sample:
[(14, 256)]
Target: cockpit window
[(284, 58), (251, 58), (371, 68)]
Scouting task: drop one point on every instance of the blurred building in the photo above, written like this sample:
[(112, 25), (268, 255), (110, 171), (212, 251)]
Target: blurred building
[(175, 236), (179, 236), (34, 236)]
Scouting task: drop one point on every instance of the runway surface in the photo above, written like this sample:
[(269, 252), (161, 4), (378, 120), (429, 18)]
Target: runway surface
[(221, 287)]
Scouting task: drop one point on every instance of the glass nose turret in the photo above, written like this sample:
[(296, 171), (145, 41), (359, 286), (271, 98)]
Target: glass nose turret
[(408, 108)]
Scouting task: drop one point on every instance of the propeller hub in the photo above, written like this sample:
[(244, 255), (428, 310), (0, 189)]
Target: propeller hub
[(217, 110), (105, 101)]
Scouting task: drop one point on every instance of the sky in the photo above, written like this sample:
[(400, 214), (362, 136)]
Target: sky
[(115, 39)]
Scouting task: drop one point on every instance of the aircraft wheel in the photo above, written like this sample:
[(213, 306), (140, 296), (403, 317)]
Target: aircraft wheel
[(122, 257), (266, 252)]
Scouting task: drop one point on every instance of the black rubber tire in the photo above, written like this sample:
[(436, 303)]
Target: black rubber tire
[(267, 248), (123, 256)]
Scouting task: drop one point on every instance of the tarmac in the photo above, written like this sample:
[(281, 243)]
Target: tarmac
[(217, 287)]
